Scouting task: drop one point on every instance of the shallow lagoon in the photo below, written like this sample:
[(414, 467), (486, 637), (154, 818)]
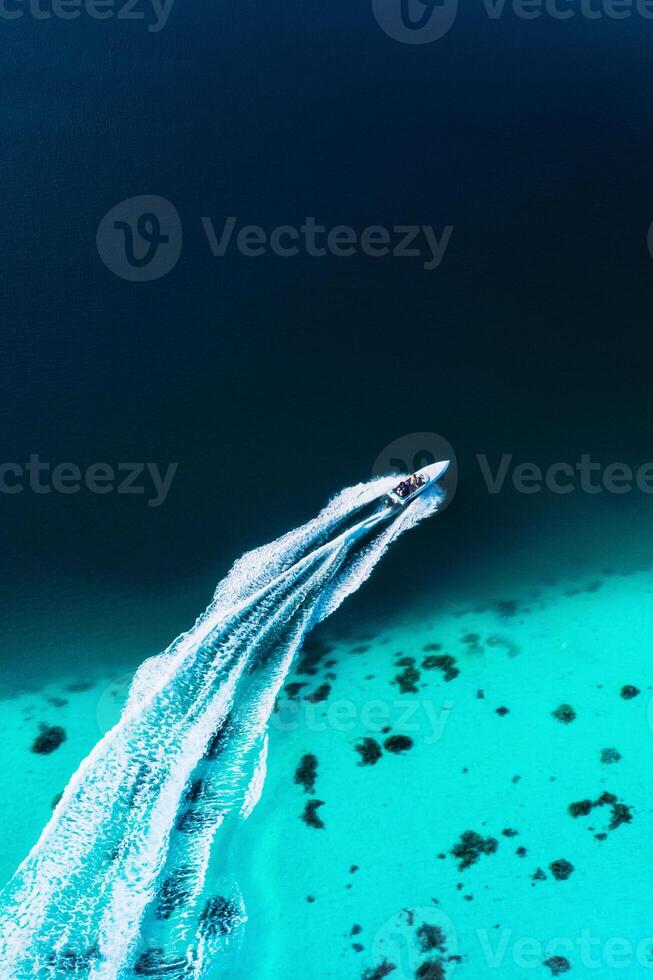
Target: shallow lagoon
[(506, 775), (473, 686)]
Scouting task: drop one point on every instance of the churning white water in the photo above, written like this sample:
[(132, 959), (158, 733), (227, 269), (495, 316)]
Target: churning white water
[(124, 881)]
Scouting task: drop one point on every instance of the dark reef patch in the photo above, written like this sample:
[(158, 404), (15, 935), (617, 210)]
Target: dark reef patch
[(311, 655), (472, 642), (306, 772), (506, 608), (620, 813), (581, 808), (398, 743), (430, 970), (192, 821), (629, 691), (471, 846), (49, 739), (321, 694), (430, 937), (310, 816), (69, 961), (561, 869), (511, 648), (174, 892), (369, 750), (77, 687), (564, 713), (195, 791), (293, 689), (217, 741), (152, 963), (610, 756), (384, 969), (219, 917), (407, 680), (589, 589), (444, 662), (558, 965)]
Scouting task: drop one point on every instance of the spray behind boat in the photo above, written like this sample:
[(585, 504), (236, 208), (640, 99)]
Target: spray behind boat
[(129, 877)]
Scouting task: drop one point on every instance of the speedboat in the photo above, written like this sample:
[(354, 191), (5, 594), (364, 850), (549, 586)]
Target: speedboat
[(417, 483)]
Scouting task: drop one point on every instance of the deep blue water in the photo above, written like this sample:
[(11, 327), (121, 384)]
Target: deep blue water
[(271, 381)]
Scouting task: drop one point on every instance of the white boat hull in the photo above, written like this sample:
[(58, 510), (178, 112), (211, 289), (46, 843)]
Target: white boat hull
[(415, 485)]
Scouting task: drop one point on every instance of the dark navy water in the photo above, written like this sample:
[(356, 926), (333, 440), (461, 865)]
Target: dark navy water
[(272, 381)]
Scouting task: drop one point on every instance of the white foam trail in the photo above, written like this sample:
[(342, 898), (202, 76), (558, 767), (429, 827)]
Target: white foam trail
[(120, 876), (255, 788)]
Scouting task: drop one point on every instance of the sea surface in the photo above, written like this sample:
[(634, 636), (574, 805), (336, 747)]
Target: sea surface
[(273, 382), (460, 783)]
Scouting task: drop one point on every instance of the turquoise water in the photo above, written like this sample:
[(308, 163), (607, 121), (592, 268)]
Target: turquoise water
[(470, 769), (271, 382), (472, 681), (129, 876)]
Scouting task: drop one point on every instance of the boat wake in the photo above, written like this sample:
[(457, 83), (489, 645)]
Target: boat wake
[(128, 877)]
